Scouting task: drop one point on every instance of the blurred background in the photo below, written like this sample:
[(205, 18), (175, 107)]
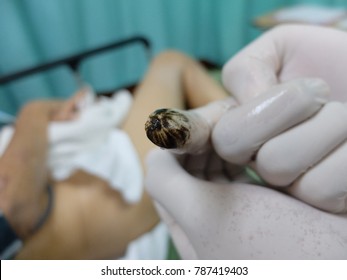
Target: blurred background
[(38, 31)]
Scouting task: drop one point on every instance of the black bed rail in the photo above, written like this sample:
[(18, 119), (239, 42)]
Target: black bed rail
[(74, 61)]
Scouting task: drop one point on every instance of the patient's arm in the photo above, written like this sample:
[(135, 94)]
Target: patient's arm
[(23, 173), (90, 220)]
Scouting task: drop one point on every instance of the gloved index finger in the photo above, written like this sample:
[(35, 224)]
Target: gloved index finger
[(241, 131)]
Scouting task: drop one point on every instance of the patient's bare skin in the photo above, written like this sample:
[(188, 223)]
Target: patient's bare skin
[(23, 169), (90, 220)]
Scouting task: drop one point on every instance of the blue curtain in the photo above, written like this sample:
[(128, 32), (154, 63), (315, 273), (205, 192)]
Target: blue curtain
[(36, 31)]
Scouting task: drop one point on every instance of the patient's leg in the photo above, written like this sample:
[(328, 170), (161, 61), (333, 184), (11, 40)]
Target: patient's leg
[(161, 87), (199, 87), (172, 81)]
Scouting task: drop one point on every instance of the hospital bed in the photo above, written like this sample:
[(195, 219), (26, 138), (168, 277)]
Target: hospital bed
[(74, 62)]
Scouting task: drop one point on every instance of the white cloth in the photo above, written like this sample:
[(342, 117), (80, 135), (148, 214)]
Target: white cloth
[(94, 144)]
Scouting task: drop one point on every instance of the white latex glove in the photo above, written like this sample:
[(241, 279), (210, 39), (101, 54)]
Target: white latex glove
[(311, 157), (211, 220), (285, 53), (211, 214)]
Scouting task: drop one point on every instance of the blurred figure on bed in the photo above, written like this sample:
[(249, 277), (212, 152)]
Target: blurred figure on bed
[(71, 175), (71, 172)]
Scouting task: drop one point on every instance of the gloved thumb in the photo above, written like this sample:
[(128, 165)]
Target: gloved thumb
[(167, 182)]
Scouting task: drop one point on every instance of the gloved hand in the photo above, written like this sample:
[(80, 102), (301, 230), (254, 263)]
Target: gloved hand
[(285, 53), (213, 212), (309, 158), (211, 220)]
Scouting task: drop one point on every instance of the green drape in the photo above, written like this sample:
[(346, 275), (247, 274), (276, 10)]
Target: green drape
[(36, 31)]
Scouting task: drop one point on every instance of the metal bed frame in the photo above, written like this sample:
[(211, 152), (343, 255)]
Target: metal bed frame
[(74, 61)]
